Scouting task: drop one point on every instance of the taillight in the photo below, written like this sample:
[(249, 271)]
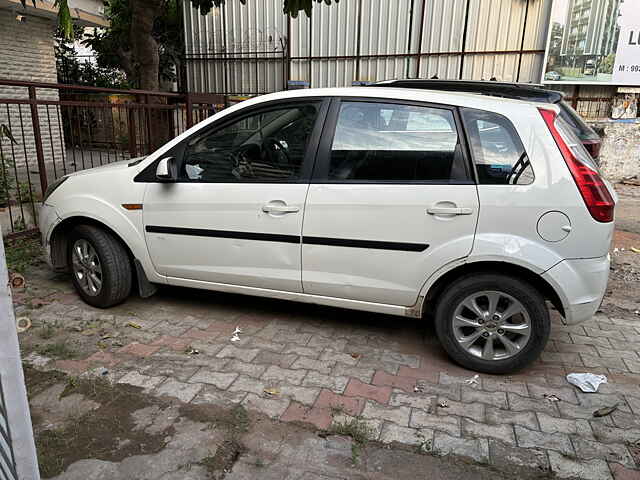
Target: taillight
[(594, 192)]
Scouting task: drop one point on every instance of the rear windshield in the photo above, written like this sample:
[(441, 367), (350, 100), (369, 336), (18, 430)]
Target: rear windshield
[(569, 115)]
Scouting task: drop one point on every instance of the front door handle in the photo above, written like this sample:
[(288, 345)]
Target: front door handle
[(280, 209), (449, 211)]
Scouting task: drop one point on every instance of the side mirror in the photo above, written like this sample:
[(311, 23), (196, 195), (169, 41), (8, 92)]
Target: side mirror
[(166, 170)]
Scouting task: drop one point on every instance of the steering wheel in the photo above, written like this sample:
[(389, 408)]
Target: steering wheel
[(242, 160), (275, 150)]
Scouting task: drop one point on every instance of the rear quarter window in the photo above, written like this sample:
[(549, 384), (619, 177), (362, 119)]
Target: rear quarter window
[(575, 121), (498, 153)]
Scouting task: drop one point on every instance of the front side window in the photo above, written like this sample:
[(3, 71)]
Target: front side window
[(391, 142), (265, 146), (498, 153)]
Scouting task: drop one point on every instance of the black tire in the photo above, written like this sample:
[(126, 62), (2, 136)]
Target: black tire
[(530, 298), (117, 275)]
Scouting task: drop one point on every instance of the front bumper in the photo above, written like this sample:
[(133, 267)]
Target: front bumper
[(581, 285), (47, 221)]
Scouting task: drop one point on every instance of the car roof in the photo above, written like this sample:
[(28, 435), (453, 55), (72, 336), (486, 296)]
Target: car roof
[(465, 99), (520, 91)]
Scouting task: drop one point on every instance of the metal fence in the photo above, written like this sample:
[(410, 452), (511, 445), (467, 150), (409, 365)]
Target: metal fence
[(57, 129), (255, 48), (8, 467)]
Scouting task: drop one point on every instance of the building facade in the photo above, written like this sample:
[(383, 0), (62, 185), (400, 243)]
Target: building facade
[(586, 35), (27, 39)]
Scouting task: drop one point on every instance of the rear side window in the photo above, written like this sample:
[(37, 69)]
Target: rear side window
[(498, 153), (583, 131), (570, 137), (393, 142)]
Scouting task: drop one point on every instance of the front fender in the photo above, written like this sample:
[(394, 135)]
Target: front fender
[(127, 224)]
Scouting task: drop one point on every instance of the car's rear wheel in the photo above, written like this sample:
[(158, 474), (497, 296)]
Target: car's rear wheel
[(492, 323), (99, 265)]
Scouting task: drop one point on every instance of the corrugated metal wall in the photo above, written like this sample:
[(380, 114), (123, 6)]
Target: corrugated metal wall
[(255, 48)]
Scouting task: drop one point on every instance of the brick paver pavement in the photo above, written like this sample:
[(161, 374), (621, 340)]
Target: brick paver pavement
[(320, 365)]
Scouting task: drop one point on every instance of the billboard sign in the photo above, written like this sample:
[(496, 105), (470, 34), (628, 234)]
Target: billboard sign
[(593, 42)]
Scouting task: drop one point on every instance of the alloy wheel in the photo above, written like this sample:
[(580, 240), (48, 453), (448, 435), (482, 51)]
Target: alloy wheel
[(491, 325), (86, 267)]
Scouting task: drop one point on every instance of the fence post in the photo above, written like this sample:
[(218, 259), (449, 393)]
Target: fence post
[(37, 136), (189, 107), (576, 94), (133, 151), (148, 119)]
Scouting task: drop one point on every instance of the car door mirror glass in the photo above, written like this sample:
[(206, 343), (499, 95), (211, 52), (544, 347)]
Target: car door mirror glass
[(166, 169)]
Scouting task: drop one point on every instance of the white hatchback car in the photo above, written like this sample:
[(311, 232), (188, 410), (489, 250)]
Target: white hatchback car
[(467, 209)]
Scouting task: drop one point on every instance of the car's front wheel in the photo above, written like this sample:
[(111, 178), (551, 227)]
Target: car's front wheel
[(99, 265), (492, 323)]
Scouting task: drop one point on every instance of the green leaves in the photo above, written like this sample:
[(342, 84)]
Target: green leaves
[(290, 7), (65, 24)]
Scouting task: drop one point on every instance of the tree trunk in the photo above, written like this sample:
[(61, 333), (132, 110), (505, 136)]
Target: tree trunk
[(145, 47), (147, 57)]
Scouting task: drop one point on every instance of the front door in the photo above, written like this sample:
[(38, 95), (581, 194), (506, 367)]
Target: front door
[(235, 214), (391, 200)]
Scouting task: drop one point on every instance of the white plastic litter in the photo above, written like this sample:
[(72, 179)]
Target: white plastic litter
[(235, 337), (587, 382), (473, 380)]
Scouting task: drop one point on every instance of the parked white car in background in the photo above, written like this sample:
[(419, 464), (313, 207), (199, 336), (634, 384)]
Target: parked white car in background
[(470, 210)]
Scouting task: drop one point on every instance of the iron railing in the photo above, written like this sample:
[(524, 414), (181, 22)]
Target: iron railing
[(8, 467), (56, 129)]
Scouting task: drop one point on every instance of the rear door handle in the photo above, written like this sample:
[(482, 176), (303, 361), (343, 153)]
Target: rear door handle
[(280, 209), (449, 211)]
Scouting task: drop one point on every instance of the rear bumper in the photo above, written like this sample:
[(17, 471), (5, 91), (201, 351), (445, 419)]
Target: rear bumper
[(581, 285)]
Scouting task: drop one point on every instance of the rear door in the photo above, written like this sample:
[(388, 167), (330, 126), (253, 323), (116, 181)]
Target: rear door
[(391, 200)]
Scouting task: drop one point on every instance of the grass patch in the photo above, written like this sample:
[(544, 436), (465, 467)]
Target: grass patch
[(226, 455), (109, 432), (56, 350), (233, 420), (358, 430), (48, 444), (106, 433), (22, 253), (47, 332), (355, 428)]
